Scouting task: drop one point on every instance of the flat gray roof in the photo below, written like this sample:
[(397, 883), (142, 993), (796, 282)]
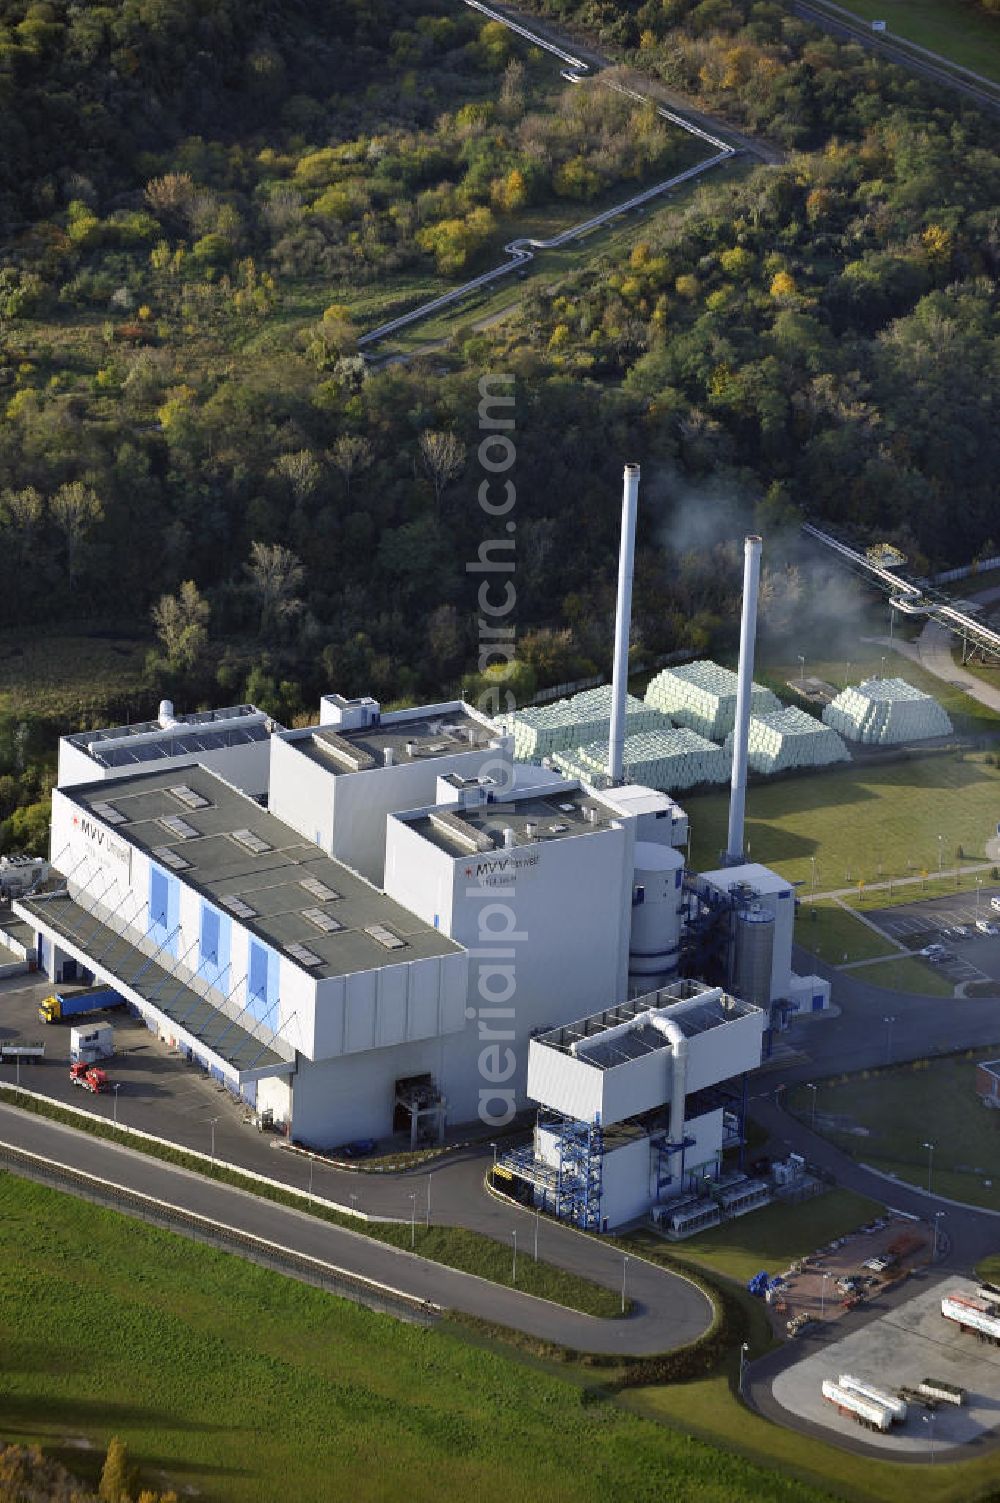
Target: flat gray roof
[(438, 735), (205, 730), (268, 882), (706, 1008), (555, 816)]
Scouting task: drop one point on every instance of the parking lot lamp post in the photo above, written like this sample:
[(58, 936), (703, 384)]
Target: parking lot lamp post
[(888, 1038), (537, 1214), (929, 1422), (312, 1165), (822, 1297), (115, 1087), (624, 1266), (212, 1122), (744, 1348), (413, 1221), (354, 1201), (513, 1268), (979, 893), (930, 1164), (937, 1219), (811, 1087), (940, 852)]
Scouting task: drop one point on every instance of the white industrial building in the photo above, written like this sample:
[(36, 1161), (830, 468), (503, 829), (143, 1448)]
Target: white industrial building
[(631, 1116), (886, 712), (362, 926)]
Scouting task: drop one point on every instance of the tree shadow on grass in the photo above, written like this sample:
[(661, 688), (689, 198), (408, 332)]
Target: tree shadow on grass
[(31, 1413)]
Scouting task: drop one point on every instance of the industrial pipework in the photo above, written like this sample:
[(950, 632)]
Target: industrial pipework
[(744, 695), (623, 623)]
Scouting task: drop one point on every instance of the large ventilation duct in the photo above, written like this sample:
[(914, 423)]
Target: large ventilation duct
[(678, 1091), (744, 695), (623, 622)]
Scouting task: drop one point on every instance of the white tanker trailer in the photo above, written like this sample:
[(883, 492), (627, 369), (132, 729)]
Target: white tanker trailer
[(865, 1411), (896, 1406), (972, 1315)]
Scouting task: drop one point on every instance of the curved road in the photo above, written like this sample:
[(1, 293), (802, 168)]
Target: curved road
[(668, 1312)]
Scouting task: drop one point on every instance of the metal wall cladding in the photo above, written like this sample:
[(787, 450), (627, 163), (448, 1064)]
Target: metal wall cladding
[(754, 955)]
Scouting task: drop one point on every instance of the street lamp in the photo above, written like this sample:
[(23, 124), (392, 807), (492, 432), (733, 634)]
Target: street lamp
[(937, 1218), (940, 852), (413, 1221), (822, 1297), (494, 1147), (979, 893), (312, 1166), (513, 1269), (427, 1222), (883, 668), (811, 1087), (929, 1422), (537, 1212), (354, 1200), (813, 860), (116, 1087), (212, 1122), (888, 1038), (744, 1348), (624, 1266), (930, 1164)]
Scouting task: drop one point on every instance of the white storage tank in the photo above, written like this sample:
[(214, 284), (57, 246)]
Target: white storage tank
[(754, 954), (656, 918)]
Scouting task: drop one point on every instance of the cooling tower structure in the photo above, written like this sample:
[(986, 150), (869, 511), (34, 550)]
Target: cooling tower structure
[(670, 761), (702, 696), (790, 738), (886, 712)]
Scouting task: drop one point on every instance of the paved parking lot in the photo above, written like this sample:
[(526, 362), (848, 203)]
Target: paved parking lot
[(159, 1091), (910, 1342), (934, 920), (811, 1287)]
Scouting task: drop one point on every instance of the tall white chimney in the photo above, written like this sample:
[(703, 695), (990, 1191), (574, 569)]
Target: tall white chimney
[(744, 693), (623, 622)]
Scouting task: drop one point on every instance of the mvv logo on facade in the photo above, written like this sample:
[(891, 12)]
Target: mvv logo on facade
[(104, 843)]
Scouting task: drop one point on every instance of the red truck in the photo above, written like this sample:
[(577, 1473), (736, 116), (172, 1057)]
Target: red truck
[(89, 1077)]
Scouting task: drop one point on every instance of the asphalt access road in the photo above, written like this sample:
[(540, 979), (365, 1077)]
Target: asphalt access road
[(669, 1311)]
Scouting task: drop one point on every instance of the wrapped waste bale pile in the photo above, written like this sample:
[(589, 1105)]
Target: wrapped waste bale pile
[(790, 738), (542, 730), (702, 696), (667, 760), (886, 712)]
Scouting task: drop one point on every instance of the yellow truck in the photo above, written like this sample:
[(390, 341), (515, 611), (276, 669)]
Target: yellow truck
[(61, 1005)]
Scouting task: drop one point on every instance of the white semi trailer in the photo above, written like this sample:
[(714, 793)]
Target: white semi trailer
[(856, 1406), (972, 1315), (896, 1406)]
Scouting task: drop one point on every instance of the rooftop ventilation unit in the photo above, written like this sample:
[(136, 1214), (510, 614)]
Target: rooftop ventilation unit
[(188, 797), (464, 835), (385, 937), (318, 889), (303, 954), (109, 814), (236, 905), (175, 825), (167, 856), (250, 842), (349, 757), (322, 920)]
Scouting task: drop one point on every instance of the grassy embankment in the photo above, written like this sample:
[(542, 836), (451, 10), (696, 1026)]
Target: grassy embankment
[(904, 1108), (958, 29), (230, 1382)]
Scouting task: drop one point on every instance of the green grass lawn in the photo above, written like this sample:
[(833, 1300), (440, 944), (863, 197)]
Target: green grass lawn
[(905, 1108), (871, 899), (836, 936), (958, 29), (229, 1382), (860, 821), (906, 975), (989, 1268), (771, 1238)]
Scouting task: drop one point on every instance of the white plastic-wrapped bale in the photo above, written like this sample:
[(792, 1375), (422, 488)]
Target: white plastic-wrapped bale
[(702, 696), (542, 730), (886, 712), (790, 738), (669, 760)]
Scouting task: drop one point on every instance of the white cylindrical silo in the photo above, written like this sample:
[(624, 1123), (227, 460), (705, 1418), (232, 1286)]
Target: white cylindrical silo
[(623, 623), (656, 920)]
